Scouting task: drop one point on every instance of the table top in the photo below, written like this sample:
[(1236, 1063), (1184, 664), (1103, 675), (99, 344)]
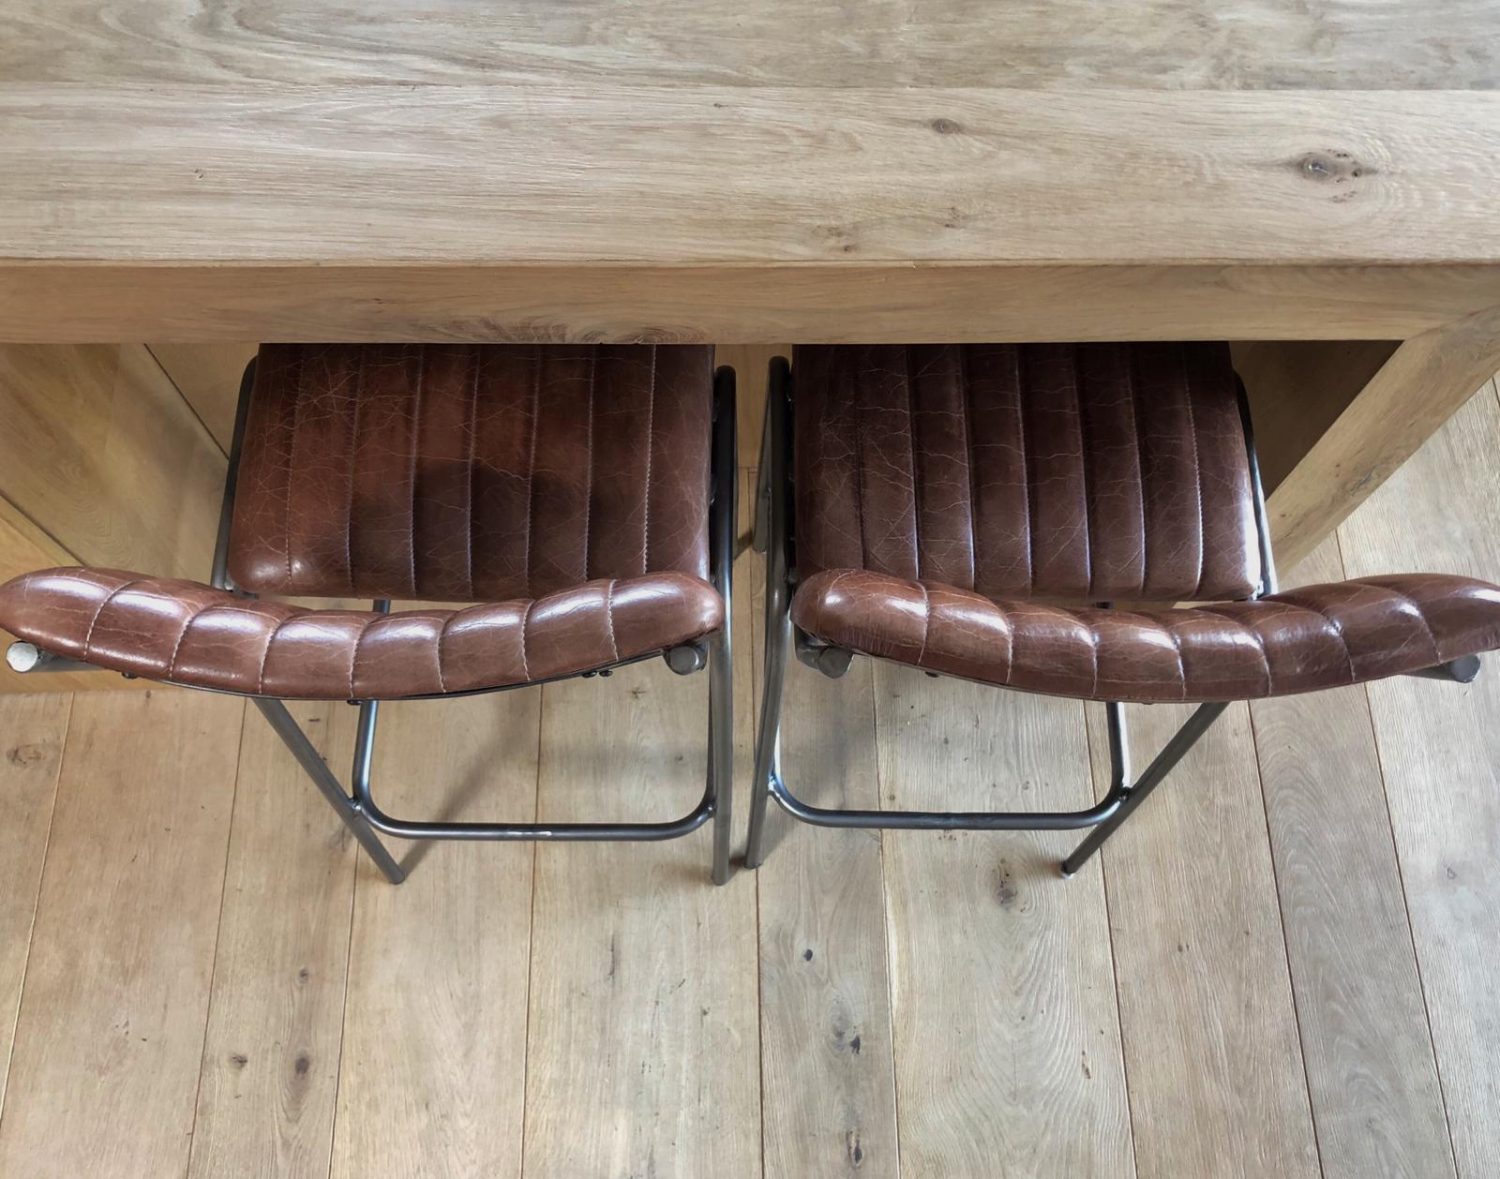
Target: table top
[(778, 133)]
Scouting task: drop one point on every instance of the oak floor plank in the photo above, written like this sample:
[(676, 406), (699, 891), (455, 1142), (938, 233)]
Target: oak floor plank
[(432, 1077), (1008, 1055), (110, 1036), (1440, 751), (1377, 1104), (644, 1038), (827, 1060), (271, 1055), (1217, 1084), (34, 727)]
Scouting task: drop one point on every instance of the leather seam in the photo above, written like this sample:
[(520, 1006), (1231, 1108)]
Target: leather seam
[(265, 655), (359, 397), (1083, 474), (650, 446), (536, 427), (916, 477), (88, 636), (291, 465), (525, 625), (473, 427), (416, 450), (354, 654), (609, 616), (965, 410), (181, 635), (1260, 641), (1140, 467), (926, 621), (1421, 616), (588, 495), (1338, 629), (1187, 389), (443, 634), (1028, 527)]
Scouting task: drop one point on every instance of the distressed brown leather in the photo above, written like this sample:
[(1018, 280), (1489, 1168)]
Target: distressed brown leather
[(1089, 472), (471, 472), (1322, 636), (942, 491), (567, 486), (186, 633)]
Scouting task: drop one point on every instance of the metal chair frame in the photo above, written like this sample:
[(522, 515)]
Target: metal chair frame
[(357, 807), (774, 535)]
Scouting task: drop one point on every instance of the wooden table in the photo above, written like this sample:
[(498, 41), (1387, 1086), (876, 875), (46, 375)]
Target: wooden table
[(1322, 178)]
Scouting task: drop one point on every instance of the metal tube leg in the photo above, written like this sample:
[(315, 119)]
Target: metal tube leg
[(721, 748), (1183, 740), (768, 734), (302, 749)]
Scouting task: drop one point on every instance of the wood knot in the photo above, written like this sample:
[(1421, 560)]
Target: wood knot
[(945, 126), (1330, 166)]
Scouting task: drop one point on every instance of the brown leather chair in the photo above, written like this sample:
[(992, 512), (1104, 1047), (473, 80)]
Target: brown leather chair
[(584, 495), (971, 510)]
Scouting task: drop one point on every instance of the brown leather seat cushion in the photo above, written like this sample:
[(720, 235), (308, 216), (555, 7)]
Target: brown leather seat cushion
[(471, 472), (186, 633), (1323, 636), (1084, 472)]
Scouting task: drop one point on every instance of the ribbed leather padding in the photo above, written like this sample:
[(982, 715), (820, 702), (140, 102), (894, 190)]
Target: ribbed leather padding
[(1304, 640), (1071, 471), (471, 472), (186, 633)]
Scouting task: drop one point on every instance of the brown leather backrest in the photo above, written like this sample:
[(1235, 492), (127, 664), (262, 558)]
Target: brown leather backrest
[(471, 472), (1084, 472)]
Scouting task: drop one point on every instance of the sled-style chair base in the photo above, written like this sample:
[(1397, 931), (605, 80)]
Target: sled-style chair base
[(637, 587), (933, 505)]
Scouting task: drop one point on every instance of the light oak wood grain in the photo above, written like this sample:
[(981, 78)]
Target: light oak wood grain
[(438, 966), (643, 1014), (1372, 1078), (838, 303), (110, 1035), (1008, 1058), (587, 174), (1423, 383), (275, 1029), (208, 377), (100, 452), (1270, 44), (34, 728), (827, 1058), (1217, 1085), (1440, 750)]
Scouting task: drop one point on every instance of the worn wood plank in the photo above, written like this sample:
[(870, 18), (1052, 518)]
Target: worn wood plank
[(1008, 1057), (1376, 1101), (110, 1035), (705, 175), (100, 452), (1069, 43), (1217, 1085), (1440, 751), (276, 1015), (827, 1058), (438, 965), (34, 728), (644, 1029)]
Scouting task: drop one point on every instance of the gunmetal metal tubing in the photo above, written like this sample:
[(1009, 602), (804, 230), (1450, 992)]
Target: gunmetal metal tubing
[(1462, 670), (1182, 740), (948, 820), (219, 577), (723, 521), (349, 810)]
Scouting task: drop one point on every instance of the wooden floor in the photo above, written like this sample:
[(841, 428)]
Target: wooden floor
[(1286, 964)]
